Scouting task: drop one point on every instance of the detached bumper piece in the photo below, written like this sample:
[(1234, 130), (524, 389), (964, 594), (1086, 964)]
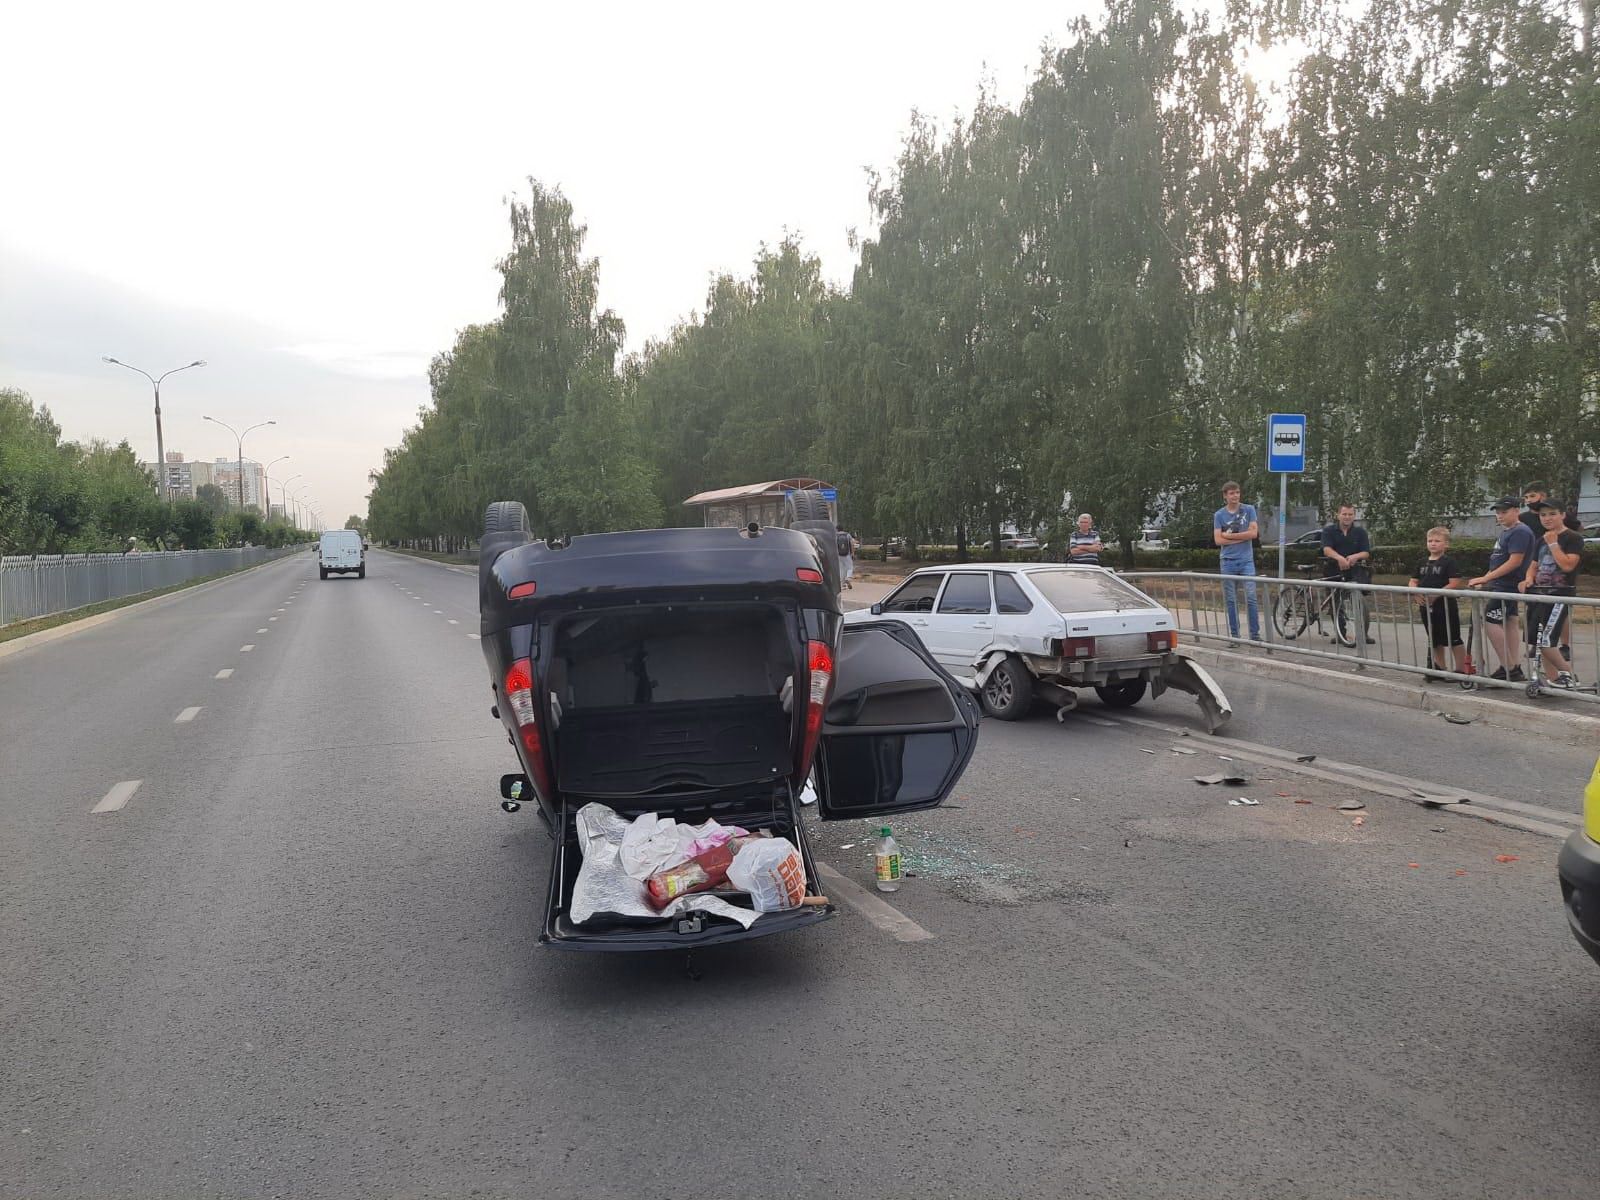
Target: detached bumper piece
[(1189, 676), (1579, 869)]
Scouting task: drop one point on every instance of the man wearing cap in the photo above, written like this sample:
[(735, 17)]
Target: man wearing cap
[(1508, 563), (1553, 572)]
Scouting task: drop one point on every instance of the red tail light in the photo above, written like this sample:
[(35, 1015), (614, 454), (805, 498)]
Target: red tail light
[(1078, 647), (519, 695), (819, 683), (520, 591), (1163, 641), (807, 575)]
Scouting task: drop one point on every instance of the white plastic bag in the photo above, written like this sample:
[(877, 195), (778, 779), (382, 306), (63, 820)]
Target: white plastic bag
[(653, 843), (772, 871)]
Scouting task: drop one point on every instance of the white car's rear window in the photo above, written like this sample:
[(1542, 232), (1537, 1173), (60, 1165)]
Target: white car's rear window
[(1086, 591)]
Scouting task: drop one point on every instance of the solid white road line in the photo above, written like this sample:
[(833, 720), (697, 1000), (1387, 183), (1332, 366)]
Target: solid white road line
[(247, 649), (224, 673), (473, 636), (187, 715), (887, 918), (1094, 720), (1534, 818), (119, 795)]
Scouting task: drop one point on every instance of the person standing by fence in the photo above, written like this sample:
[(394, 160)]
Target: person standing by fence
[(1234, 530), (1441, 614), (1508, 563), (1553, 572), (1084, 546), (1347, 556)]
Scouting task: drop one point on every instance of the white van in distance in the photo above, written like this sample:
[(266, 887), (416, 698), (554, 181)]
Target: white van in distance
[(341, 552)]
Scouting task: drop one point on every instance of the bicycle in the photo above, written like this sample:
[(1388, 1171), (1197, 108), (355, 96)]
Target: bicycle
[(1297, 605)]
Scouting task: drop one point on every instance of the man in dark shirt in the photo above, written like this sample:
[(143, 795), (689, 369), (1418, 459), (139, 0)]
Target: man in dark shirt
[(1534, 495), (1346, 551), (1508, 562), (1553, 572)]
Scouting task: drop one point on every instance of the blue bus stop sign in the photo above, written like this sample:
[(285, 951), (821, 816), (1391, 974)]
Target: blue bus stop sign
[(1286, 443)]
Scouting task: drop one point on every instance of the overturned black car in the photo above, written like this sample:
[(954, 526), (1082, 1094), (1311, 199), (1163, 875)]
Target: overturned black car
[(702, 673)]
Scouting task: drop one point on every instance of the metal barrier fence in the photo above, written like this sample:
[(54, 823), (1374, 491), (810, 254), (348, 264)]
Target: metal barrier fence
[(1378, 625), (42, 585)]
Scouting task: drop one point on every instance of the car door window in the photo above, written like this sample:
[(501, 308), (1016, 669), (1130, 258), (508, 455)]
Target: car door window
[(966, 594), (1009, 597), (915, 596)]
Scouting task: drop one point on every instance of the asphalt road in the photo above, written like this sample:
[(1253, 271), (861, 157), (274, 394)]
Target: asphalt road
[(300, 960)]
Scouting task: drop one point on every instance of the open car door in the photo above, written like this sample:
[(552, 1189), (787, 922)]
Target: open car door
[(899, 731)]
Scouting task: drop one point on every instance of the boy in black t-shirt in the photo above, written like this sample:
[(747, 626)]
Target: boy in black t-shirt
[(1440, 613), (1553, 572)]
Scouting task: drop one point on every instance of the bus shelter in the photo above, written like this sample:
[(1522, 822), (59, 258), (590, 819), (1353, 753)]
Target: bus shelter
[(736, 507)]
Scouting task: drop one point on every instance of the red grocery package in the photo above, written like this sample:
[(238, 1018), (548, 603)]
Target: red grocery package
[(698, 874)]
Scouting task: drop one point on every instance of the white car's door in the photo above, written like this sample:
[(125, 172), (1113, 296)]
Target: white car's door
[(962, 622), (912, 602)]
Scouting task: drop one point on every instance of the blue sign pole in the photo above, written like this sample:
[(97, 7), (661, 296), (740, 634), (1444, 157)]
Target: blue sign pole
[(1286, 455)]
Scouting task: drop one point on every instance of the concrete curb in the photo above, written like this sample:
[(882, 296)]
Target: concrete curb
[(57, 632), (1573, 728)]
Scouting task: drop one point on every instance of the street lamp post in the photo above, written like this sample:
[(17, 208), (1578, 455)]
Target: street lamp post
[(283, 496), (155, 383), (240, 437), (267, 476)]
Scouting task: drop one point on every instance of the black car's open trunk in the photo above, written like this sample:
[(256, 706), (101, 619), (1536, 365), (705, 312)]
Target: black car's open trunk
[(684, 710), (773, 812), (648, 702)]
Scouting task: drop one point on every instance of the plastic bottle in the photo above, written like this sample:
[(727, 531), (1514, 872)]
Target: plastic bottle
[(887, 861)]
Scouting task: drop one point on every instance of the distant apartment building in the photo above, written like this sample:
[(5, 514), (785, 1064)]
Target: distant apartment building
[(225, 474), (184, 479)]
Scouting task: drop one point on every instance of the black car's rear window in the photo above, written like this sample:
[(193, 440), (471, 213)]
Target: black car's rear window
[(1086, 591)]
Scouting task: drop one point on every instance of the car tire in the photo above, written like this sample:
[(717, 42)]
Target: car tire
[(361, 571), (805, 506), (1007, 693), (1125, 694), (323, 571), (807, 512), (507, 516)]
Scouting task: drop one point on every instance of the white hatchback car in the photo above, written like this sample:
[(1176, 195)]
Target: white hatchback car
[(1017, 632)]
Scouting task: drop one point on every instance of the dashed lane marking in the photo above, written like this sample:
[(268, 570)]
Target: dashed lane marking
[(263, 629), (247, 649), (118, 796), (224, 673), (187, 715), (474, 637), (886, 917), (453, 621)]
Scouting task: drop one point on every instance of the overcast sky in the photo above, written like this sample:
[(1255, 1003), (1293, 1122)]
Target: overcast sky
[(311, 197)]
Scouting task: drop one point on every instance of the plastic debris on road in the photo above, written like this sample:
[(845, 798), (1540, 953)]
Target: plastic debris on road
[(1456, 718), (1352, 805), (1305, 758), (1142, 750), (1505, 858), (1245, 802), (1228, 777)]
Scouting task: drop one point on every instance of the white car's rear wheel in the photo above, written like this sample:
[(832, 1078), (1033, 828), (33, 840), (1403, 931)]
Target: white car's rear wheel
[(1008, 691)]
